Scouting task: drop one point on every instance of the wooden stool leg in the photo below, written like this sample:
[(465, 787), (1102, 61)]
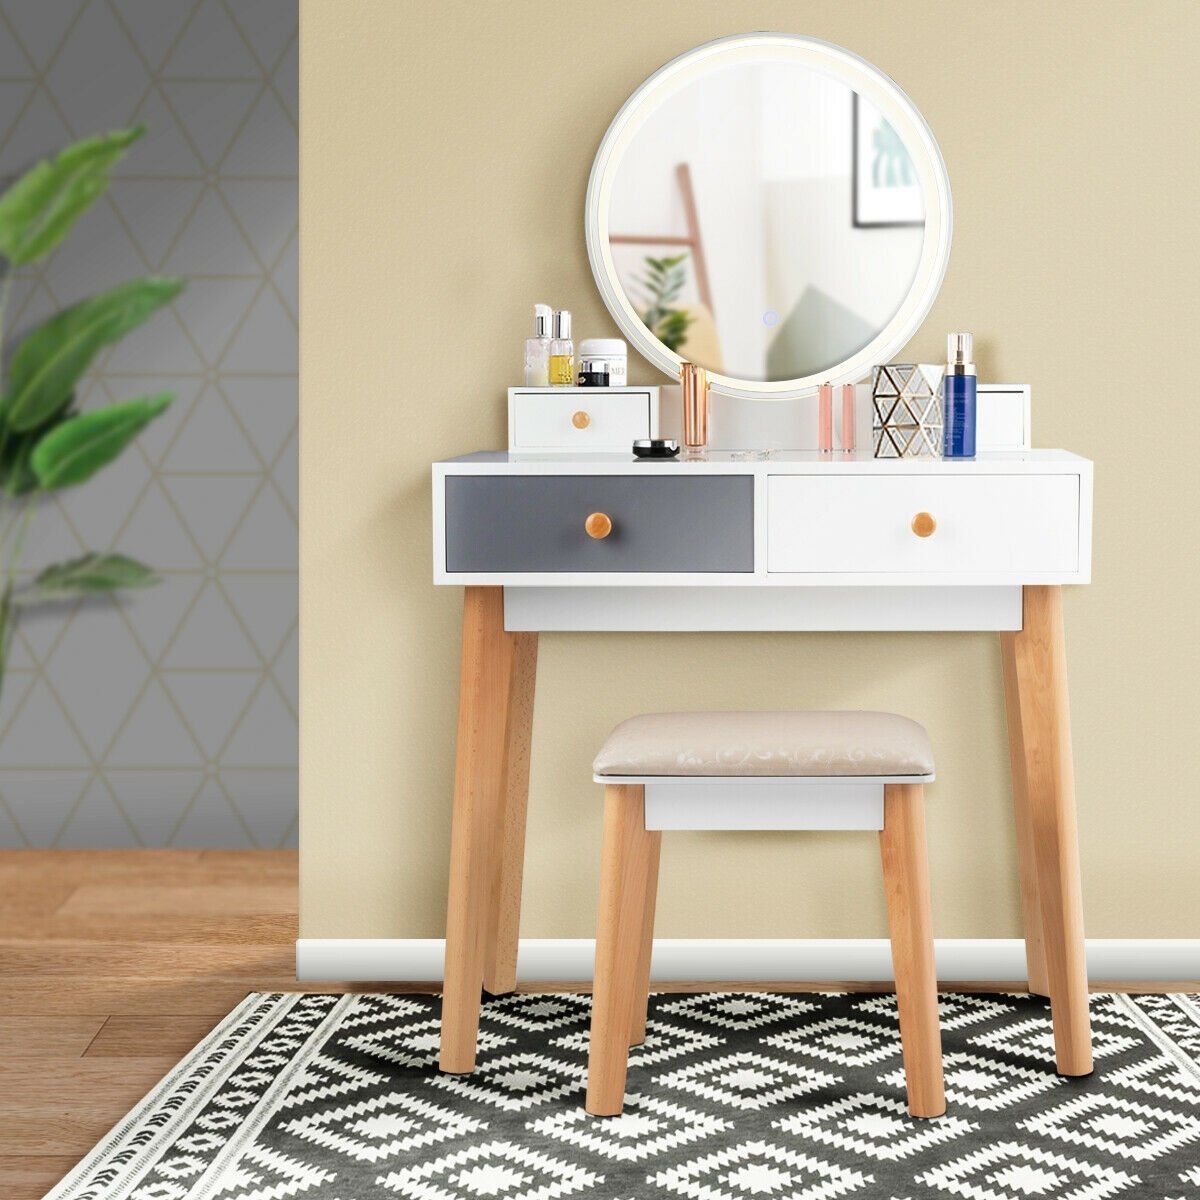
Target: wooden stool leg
[(625, 869), (641, 985), (1040, 667), (490, 660), (906, 886)]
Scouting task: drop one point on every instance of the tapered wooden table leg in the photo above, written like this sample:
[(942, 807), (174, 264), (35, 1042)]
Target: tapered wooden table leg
[(497, 668), (626, 867), (1039, 665), (504, 919), (1031, 908), (906, 887)]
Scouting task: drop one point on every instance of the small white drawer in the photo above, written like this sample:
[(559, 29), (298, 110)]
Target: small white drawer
[(595, 419), (1006, 526)]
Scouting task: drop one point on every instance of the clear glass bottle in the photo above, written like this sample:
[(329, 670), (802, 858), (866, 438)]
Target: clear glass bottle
[(537, 348), (562, 351)]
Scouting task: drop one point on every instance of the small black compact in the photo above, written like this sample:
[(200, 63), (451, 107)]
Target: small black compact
[(593, 372), (655, 448)]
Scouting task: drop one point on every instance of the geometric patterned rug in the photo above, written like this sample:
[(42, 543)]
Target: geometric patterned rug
[(733, 1096)]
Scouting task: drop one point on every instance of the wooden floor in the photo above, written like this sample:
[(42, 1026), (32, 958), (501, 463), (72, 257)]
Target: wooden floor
[(113, 964)]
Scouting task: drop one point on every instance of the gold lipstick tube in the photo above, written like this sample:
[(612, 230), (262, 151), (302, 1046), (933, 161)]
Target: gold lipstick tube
[(693, 382)]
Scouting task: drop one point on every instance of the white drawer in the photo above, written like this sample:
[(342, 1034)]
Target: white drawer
[(1000, 525), (595, 419)]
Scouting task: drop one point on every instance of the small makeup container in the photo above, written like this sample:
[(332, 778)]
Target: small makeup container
[(655, 448), (613, 352), (593, 372)]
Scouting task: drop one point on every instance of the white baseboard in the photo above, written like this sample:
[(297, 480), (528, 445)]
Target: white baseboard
[(543, 960)]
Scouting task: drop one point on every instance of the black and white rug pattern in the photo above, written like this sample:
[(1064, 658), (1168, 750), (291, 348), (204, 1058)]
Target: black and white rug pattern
[(733, 1096)]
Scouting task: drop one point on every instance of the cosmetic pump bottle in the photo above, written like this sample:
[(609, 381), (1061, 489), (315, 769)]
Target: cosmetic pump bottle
[(958, 399), (693, 391), (537, 348), (562, 351)]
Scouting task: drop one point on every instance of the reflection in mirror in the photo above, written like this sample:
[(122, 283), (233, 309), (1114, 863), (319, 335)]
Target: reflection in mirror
[(766, 221)]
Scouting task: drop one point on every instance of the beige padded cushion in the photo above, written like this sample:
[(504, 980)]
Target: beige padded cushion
[(766, 743)]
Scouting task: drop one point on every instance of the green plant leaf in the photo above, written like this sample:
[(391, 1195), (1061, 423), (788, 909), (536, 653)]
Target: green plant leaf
[(74, 451), (50, 361), (38, 210), (664, 284), (17, 477), (672, 328), (16, 472), (90, 575)]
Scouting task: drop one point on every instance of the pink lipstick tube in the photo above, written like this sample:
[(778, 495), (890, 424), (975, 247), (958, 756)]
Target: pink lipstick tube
[(825, 417), (848, 417)]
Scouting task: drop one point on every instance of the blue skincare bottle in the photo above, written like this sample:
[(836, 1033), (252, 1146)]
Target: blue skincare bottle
[(958, 399)]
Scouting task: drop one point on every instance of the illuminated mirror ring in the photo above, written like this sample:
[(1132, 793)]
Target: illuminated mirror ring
[(914, 251)]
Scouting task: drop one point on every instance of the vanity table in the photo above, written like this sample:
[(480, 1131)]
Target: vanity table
[(804, 215), (797, 541)]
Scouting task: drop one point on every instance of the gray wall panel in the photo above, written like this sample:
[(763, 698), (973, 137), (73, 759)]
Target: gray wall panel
[(168, 718)]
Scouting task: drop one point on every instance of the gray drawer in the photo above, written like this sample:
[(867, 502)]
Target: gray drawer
[(506, 523)]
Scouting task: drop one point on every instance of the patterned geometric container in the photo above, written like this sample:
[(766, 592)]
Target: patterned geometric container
[(906, 410)]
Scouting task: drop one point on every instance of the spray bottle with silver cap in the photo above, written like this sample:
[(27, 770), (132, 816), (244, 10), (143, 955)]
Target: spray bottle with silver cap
[(958, 399), (537, 348)]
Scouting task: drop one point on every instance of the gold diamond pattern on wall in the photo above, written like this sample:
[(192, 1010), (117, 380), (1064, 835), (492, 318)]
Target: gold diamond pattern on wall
[(167, 717)]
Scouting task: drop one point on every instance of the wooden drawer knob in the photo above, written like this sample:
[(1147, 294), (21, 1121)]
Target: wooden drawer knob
[(581, 420), (923, 524), (598, 525)]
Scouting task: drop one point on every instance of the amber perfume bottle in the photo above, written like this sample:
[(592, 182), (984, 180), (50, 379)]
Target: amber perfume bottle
[(562, 351)]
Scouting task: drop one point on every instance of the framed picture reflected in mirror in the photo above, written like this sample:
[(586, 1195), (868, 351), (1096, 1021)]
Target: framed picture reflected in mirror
[(885, 190)]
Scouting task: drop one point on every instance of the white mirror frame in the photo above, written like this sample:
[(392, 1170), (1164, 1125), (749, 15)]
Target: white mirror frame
[(862, 77)]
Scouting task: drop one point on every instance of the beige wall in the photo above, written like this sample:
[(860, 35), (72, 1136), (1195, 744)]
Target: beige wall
[(445, 151)]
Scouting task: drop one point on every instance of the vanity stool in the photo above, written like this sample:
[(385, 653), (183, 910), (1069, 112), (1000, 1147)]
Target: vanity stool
[(759, 770)]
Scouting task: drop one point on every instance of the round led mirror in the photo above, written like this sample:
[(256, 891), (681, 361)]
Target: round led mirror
[(773, 208)]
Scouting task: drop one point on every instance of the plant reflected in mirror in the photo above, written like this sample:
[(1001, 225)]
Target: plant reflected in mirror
[(663, 283)]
